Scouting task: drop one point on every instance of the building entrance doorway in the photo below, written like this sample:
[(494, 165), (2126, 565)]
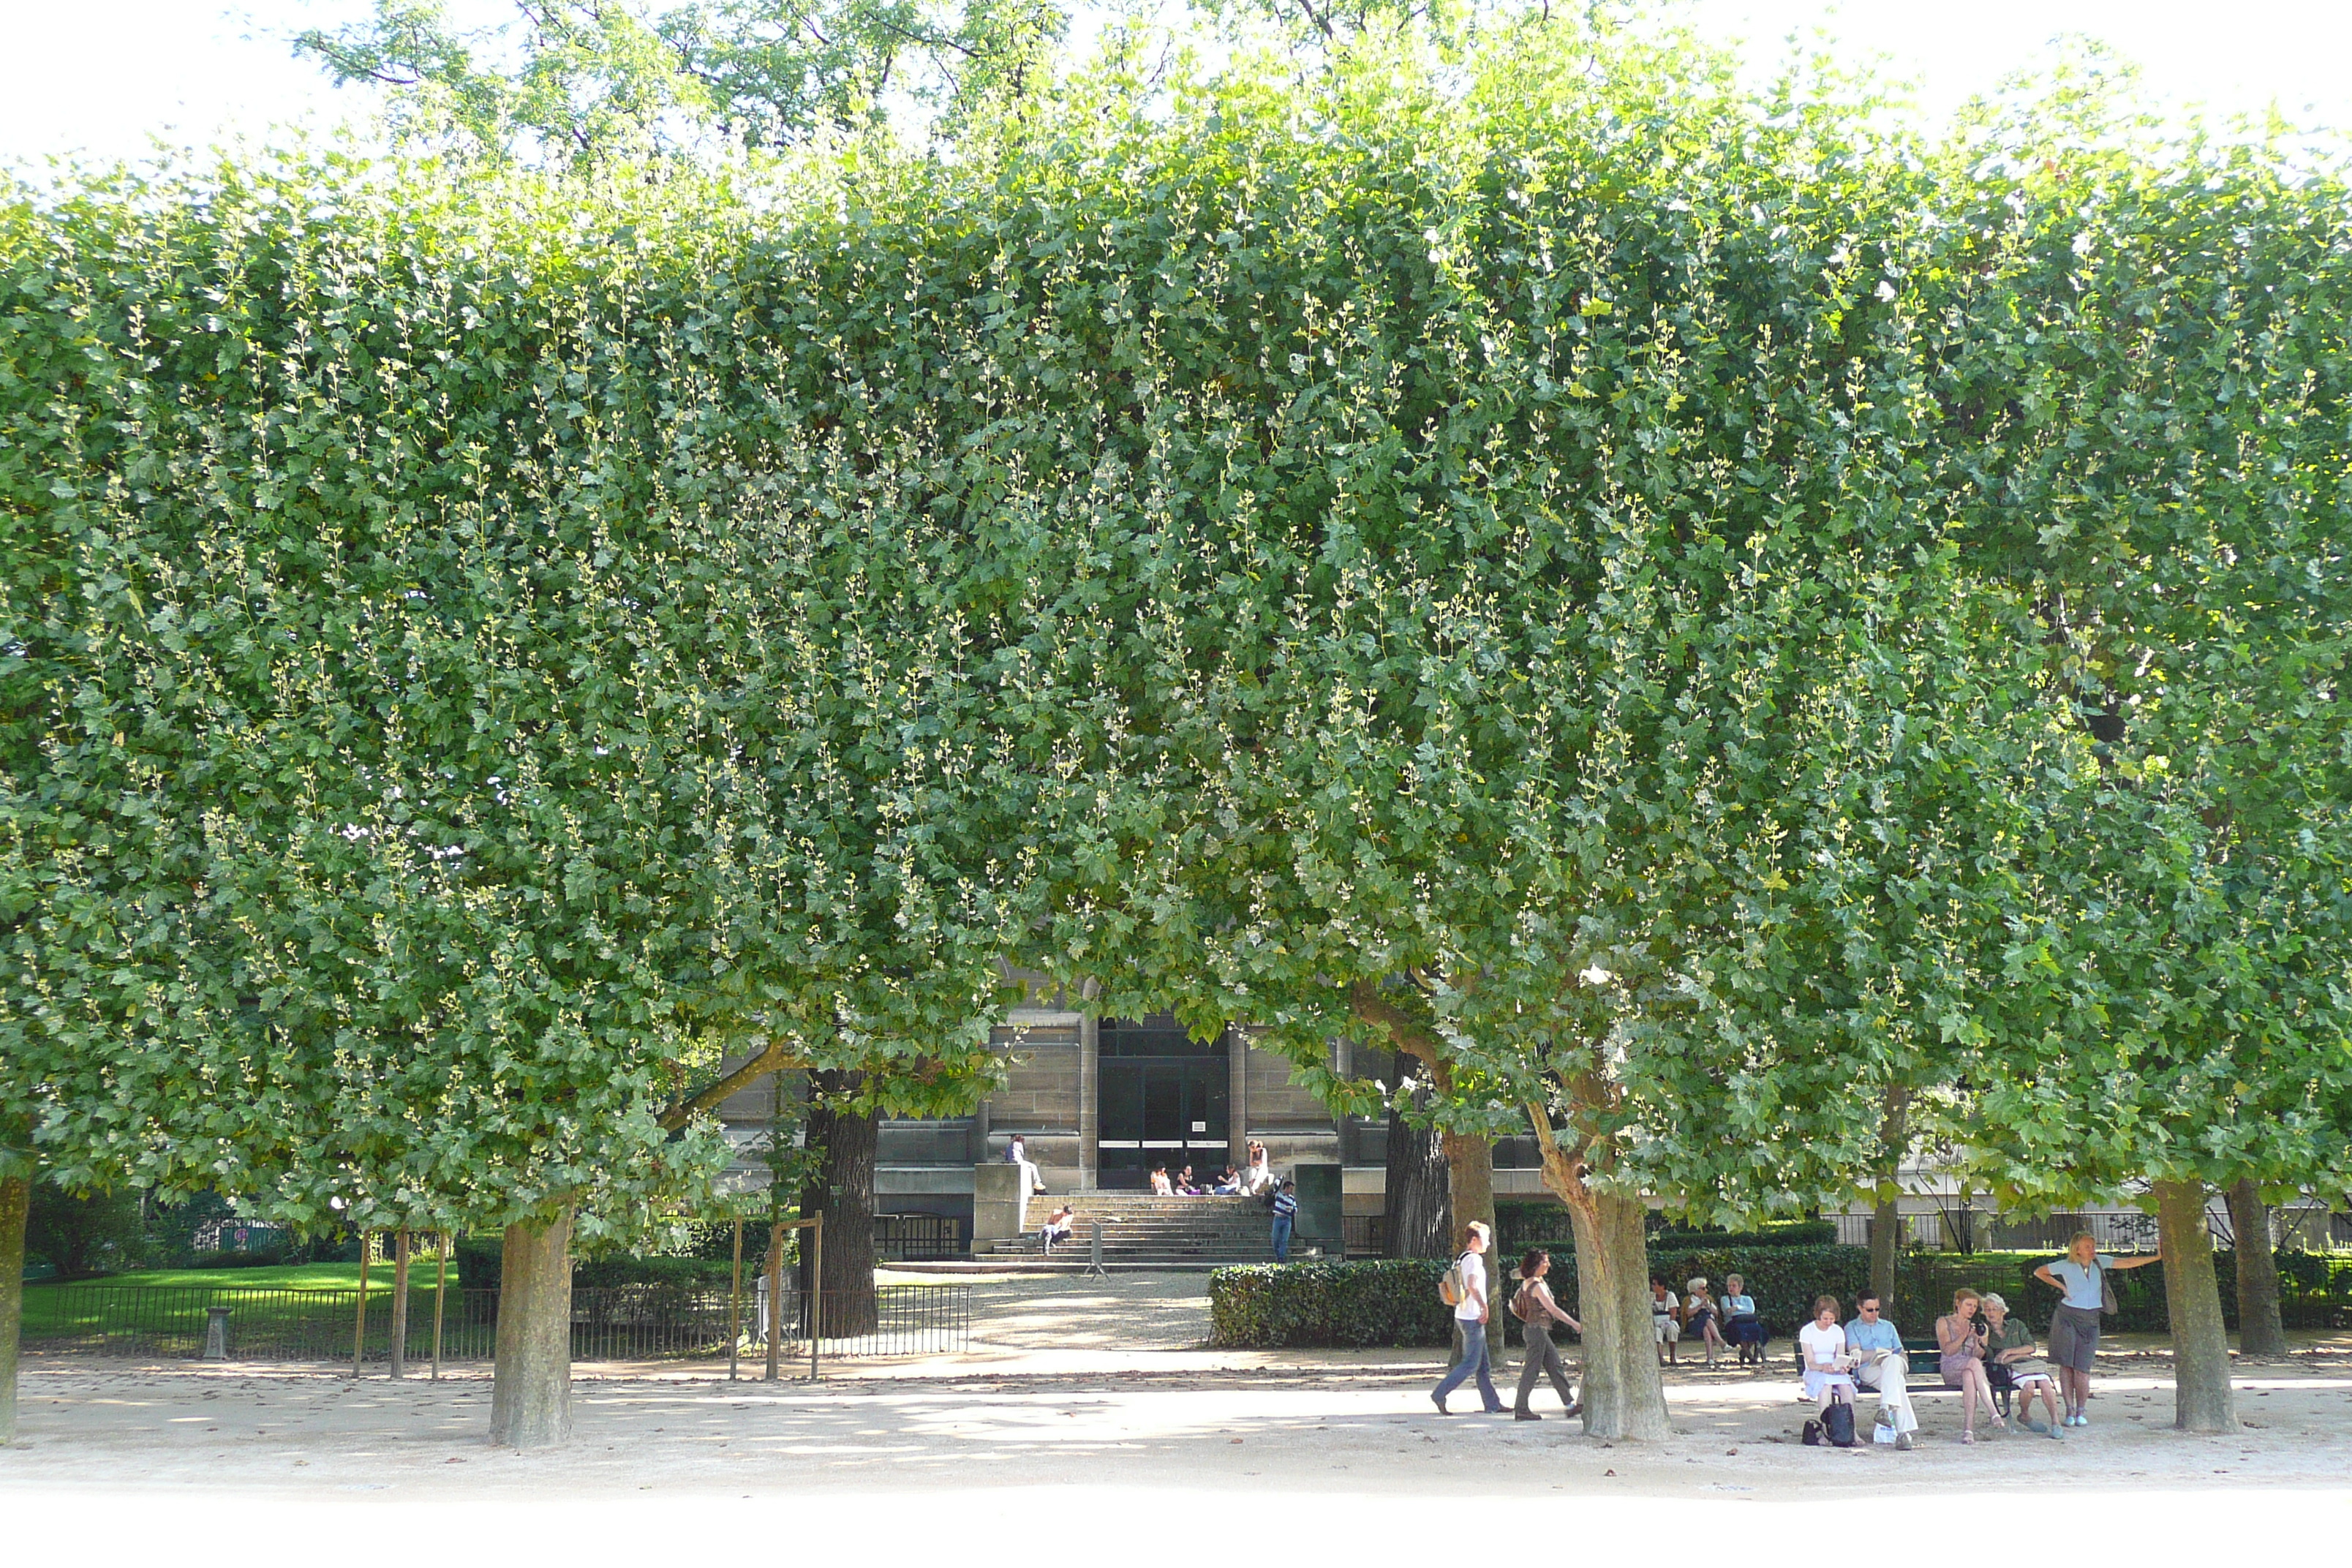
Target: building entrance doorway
[(1162, 1102)]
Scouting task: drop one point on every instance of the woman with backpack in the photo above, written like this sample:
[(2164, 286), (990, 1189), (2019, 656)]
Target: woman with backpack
[(1464, 1290), (1533, 1306), (2080, 1278)]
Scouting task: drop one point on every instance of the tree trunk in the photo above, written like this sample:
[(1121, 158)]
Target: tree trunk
[(530, 1390), (2204, 1400), (1886, 1221), (1470, 1185), (1886, 1249), (397, 1363), (1624, 1395), (16, 1208), (2259, 1332), (843, 1194), (1415, 1204)]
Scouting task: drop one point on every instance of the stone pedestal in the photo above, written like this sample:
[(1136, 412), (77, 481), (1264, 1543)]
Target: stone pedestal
[(1319, 1205), (1000, 1203), (217, 1333)]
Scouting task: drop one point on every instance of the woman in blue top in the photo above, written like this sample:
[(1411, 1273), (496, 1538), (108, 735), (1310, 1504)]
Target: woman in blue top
[(2079, 1277)]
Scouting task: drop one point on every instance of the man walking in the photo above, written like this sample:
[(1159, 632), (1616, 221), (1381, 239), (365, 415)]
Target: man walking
[(1884, 1366), (1470, 1355), (1286, 1213)]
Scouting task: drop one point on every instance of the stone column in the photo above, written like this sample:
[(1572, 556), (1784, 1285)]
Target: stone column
[(1237, 1050), (1089, 1101)]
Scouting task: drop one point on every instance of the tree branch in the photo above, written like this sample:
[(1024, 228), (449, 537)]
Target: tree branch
[(776, 1057), (1404, 1031)]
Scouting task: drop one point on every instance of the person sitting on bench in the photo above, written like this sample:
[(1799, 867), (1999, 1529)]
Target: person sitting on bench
[(2012, 1358), (1882, 1366), (1741, 1323), (1829, 1366)]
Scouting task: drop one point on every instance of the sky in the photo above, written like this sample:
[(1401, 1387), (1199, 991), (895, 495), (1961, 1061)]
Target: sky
[(105, 78)]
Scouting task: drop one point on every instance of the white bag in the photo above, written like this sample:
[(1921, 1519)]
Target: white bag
[(1883, 1429)]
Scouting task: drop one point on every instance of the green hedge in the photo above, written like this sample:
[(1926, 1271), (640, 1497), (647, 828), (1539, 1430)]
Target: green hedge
[(1374, 1301), (1394, 1301)]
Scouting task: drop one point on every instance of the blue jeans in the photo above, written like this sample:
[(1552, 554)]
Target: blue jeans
[(1282, 1238), (1470, 1356)]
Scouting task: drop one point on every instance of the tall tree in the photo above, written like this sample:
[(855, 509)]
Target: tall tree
[(582, 82), (1417, 1220)]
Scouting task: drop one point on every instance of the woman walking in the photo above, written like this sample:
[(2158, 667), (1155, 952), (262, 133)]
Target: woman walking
[(1960, 1352), (1534, 1306), (2080, 1278)]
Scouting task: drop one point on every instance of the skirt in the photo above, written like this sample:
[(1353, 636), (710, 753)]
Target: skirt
[(2074, 1336), (1955, 1366), (1819, 1384)]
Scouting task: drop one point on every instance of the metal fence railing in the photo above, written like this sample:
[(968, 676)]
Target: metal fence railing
[(918, 1237), (628, 1322), (1970, 1230)]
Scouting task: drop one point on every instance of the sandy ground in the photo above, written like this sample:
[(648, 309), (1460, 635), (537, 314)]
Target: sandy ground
[(1093, 1405)]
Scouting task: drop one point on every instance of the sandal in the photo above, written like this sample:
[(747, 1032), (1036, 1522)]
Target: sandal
[(1967, 1436)]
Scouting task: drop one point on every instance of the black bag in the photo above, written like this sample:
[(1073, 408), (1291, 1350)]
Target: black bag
[(1813, 1434), (1838, 1422)]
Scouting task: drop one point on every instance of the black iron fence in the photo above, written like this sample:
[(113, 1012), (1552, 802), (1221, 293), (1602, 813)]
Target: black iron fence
[(628, 1322), (918, 1238)]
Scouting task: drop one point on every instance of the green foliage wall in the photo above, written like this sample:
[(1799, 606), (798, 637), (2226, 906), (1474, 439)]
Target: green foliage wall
[(476, 649)]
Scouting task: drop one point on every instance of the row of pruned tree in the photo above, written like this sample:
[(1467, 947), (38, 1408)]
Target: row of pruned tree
[(1694, 614)]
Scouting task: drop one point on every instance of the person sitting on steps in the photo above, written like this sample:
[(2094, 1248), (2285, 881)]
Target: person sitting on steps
[(1016, 1153), (1258, 1180), (1056, 1228), (1160, 1184)]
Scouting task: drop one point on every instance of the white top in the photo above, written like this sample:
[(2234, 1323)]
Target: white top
[(1474, 1288), (1821, 1346), (1660, 1306)]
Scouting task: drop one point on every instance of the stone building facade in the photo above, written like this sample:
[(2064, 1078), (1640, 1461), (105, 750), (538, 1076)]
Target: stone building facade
[(1098, 1101)]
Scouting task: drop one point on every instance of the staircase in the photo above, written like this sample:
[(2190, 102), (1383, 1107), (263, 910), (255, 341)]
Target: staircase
[(1143, 1230)]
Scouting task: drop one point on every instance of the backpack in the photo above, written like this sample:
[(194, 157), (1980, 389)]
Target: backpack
[(1837, 1423), (1453, 1289), (1813, 1434)]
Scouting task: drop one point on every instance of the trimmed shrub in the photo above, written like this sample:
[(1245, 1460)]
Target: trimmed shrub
[(1372, 1302), (1394, 1301)]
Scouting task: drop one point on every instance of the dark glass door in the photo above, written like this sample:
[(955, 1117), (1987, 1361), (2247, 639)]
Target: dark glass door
[(1160, 1101)]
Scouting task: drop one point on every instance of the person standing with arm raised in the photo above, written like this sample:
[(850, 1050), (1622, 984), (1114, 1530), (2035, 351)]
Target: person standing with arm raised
[(2080, 1280)]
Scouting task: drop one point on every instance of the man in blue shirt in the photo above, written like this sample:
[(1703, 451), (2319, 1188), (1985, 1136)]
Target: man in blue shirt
[(1884, 1366), (1286, 1212)]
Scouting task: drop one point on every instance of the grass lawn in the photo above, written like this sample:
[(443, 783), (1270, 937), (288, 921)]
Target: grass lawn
[(81, 1308), (292, 1277)]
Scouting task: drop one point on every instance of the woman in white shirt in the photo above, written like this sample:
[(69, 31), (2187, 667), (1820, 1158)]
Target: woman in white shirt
[(1829, 1369)]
